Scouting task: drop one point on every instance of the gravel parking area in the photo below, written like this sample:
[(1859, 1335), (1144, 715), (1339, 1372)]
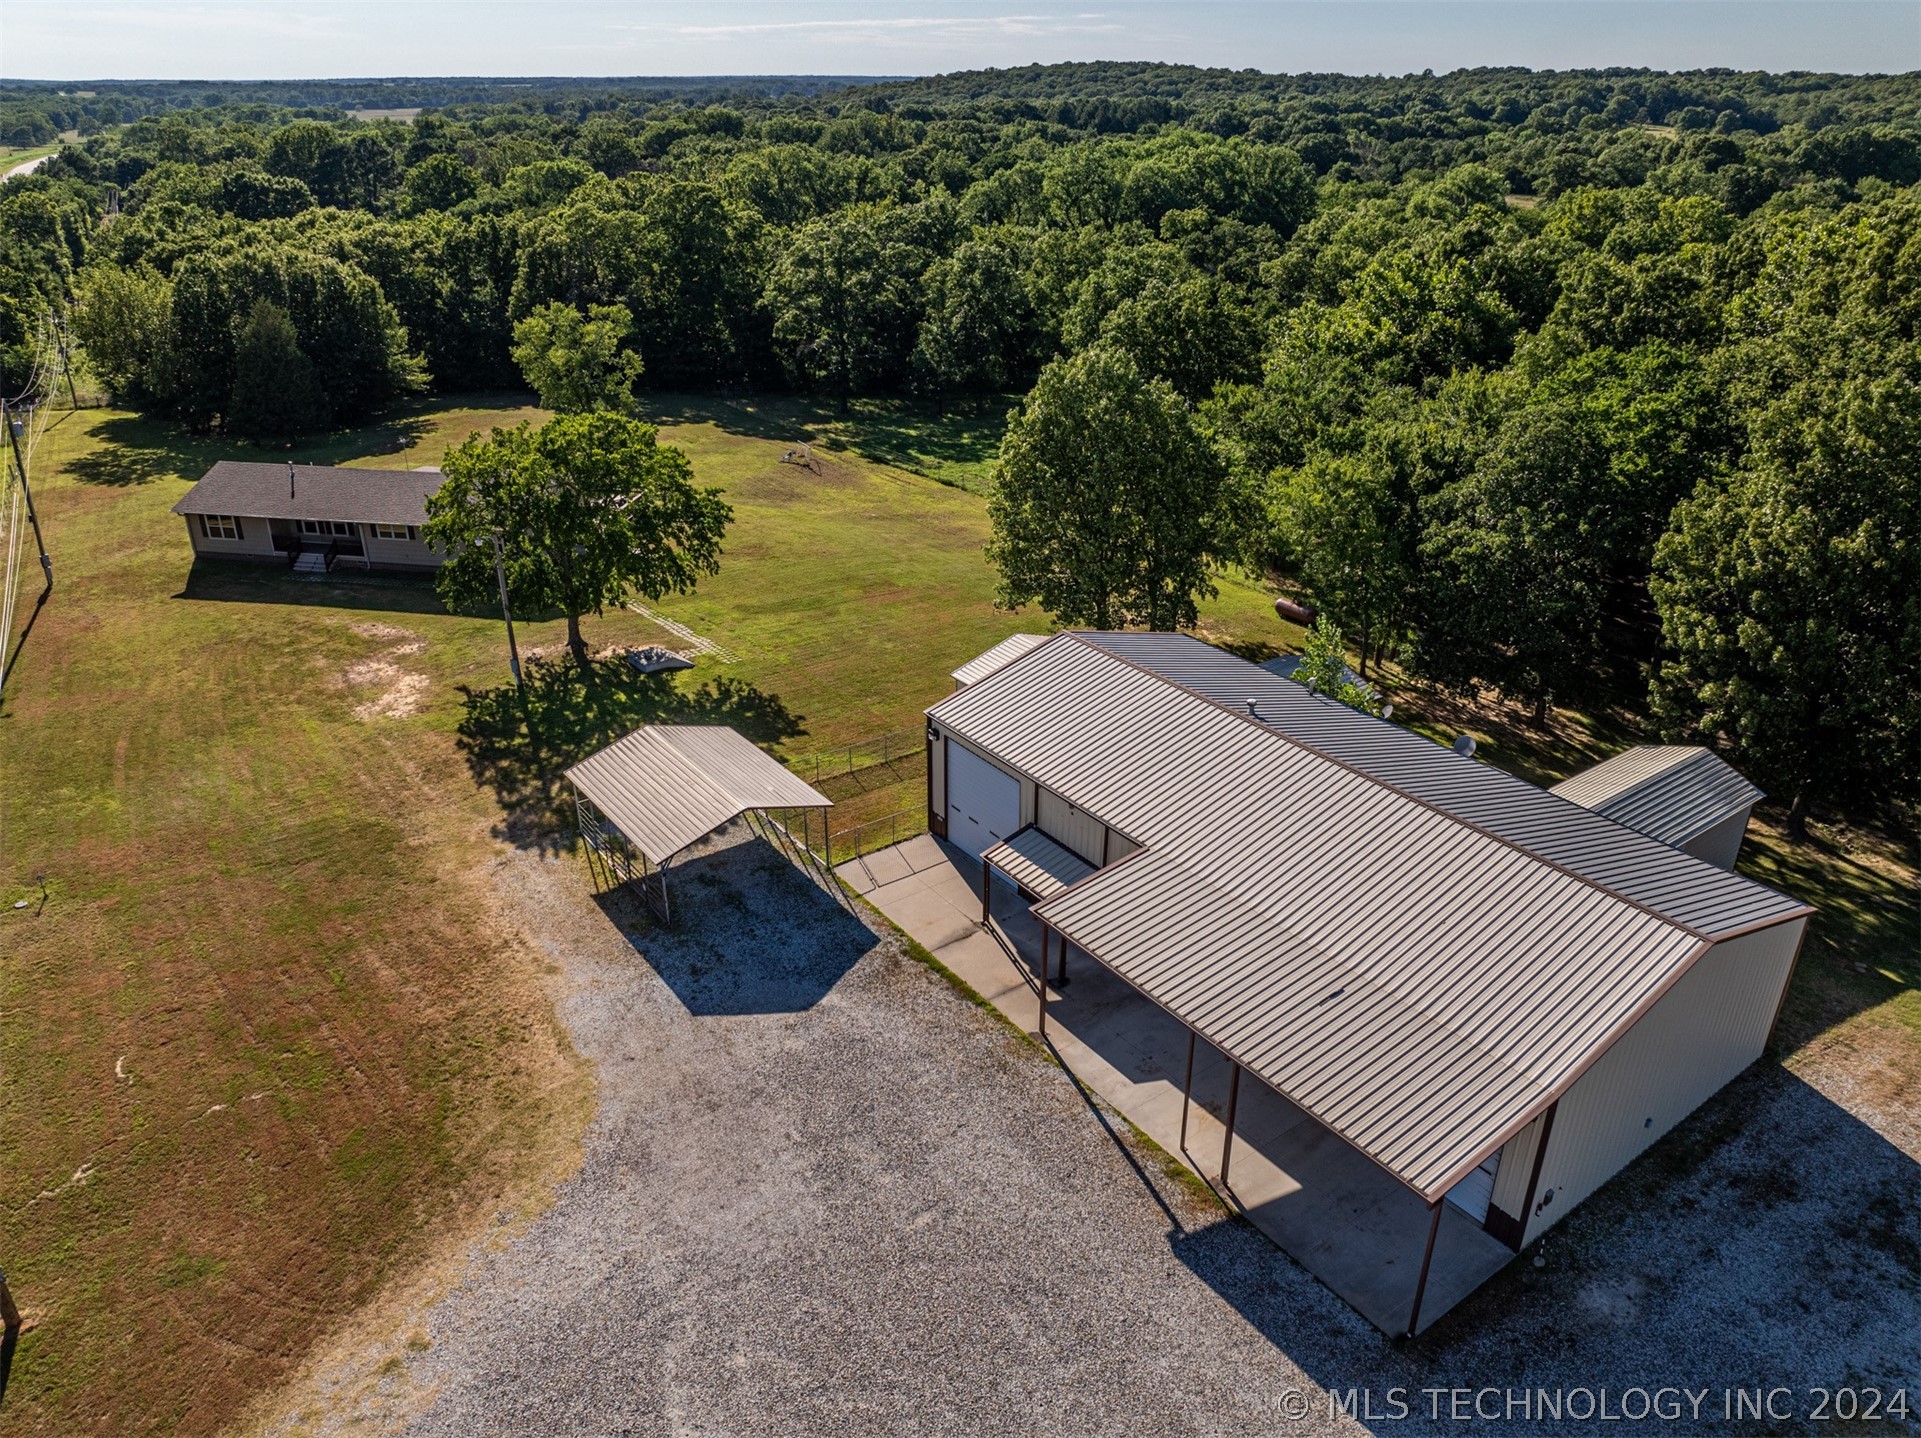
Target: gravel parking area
[(825, 1194)]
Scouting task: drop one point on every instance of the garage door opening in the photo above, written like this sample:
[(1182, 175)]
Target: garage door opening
[(983, 802)]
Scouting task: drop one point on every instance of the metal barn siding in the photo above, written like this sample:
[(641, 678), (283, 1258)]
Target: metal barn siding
[(1517, 1167), (1074, 828), (1119, 846), (937, 779), (1704, 1031), (1721, 845)]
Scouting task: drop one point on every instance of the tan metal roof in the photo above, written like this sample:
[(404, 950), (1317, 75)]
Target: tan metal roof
[(1691, 892), (1417, 983), (999, 657), (666, 785), (1670, 792), (314, 491), (1037, 863)]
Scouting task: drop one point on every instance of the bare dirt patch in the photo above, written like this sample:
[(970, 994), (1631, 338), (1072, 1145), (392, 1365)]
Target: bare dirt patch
[(402, 691)]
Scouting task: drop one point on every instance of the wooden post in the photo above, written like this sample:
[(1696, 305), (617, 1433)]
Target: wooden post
[(1233, 1102), (1061, 975), (987, 881), (1187, 1089), (1427, 1258)]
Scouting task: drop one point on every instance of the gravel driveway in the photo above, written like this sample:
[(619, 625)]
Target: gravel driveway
[(824, 1194)]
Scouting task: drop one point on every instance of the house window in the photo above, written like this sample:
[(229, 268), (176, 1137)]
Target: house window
[(220, 526), (395, 531), (326, 526)]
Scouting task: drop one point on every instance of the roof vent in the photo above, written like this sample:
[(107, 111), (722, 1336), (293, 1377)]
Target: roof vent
[(1464, 746), (1252, 712)]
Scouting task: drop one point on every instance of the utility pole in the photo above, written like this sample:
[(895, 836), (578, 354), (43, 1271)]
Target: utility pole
[(40, 543), (66, 360), (507, 613)]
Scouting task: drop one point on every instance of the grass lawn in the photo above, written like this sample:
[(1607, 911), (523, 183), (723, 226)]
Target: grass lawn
[(269, 1033)]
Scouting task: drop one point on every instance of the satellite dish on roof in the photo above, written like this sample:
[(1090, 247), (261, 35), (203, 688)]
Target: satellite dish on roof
[(1464, 746)]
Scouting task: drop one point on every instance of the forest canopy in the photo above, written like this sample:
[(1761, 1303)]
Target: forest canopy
[(1527, 381)]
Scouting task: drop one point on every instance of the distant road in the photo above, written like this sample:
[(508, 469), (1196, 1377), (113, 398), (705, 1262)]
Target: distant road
[(26, 167)]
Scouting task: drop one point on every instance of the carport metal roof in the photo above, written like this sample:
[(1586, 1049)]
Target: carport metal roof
[(666, 785)]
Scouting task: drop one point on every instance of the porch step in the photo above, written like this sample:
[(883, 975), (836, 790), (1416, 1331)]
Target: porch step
[(310, 562)]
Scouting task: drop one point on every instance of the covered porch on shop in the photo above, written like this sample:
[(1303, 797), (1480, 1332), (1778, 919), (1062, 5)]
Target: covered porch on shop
[(1370, 1239)]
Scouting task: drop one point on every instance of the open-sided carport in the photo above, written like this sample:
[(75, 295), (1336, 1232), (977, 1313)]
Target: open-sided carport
[(650, 795)]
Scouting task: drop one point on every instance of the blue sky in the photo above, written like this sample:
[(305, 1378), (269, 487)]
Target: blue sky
[(71, 39)]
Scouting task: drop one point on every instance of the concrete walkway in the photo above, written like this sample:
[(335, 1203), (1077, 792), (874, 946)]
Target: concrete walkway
[(1339, 1215)]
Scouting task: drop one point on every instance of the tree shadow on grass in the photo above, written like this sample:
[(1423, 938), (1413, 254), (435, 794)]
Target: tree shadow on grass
[(951, 442), (236, 581), (134, 450), (573, 712)]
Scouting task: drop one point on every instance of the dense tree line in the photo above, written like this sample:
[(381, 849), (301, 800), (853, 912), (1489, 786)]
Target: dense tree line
[(1528, 381)]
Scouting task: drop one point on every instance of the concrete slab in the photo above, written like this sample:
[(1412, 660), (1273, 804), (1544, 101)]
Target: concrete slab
[(924, 913), (1334, 1211)]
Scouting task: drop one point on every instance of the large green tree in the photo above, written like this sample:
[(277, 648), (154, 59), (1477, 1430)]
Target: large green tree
[(845, 300), (1106, 510), (275, 394), (577, 362), (1790, 595), (1348, 519), (588, 509)]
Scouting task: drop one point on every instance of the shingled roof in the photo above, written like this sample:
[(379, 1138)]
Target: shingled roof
[(266, 490)]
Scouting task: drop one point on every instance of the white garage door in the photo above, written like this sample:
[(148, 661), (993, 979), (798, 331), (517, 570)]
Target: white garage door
[(983, 803)]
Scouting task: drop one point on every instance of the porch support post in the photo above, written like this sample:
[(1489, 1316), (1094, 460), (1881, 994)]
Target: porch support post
[(1042, 986), (1187, 1089), (1427, 1259), (1060, 975), (987, 896), (1233, 1103)]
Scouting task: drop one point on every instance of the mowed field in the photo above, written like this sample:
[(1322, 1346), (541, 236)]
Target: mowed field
[(270, 1038), (268, 1035)]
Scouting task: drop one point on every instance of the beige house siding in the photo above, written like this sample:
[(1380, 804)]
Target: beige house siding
[(255, 542), (1705, 1030), (1074, 829), (397, 553)]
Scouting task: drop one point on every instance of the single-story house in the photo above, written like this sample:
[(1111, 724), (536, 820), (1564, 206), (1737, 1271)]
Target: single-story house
[(312, 517), (1496, 995), (1681, 794)]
